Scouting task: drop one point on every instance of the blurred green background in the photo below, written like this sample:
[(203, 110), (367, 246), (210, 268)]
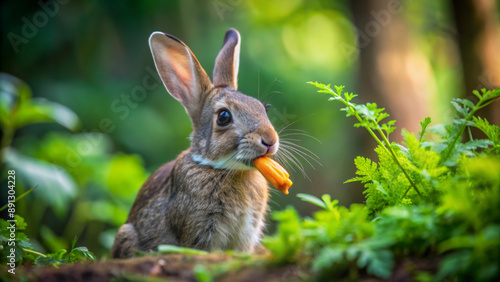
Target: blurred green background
[(114, 123)]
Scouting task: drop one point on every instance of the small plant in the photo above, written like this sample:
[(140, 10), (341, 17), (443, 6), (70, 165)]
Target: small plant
[(424, 199), (25, 253), (64, 257)]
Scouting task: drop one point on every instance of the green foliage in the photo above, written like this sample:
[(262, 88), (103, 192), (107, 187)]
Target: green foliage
[(492, 131), (370, 117), (75, 174), (20, 242), (336, 239), (423, 199), (34, 172), (24, 253), (286, 243), (344, 237), (63, 257), (418, 171), (19, 109)]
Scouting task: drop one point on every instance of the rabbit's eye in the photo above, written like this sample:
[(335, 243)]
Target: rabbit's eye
[(224, 118)]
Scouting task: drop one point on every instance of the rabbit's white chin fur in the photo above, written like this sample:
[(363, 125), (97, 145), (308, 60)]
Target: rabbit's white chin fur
[(229, 162)]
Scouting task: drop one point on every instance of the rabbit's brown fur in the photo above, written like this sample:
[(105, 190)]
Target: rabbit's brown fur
[(209, 197)]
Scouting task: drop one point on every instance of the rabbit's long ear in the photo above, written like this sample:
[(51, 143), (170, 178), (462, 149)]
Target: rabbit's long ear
[(228, 61), (179, 70)]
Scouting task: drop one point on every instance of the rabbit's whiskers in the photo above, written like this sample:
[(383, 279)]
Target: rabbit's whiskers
[(292, 154)]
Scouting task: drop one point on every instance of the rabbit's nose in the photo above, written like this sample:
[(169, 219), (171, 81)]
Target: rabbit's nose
[(271, 144)]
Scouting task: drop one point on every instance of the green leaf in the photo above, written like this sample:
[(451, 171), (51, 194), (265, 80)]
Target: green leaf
[(54, 259), (388, 127), (491, 130), (380, 263), (453, 264), (20, 223), (171, 249), (328, 202), (380, 188), (202, 274), (457, 103), (456, 243), (56, 187), (475, 144), (423, 124), (80, 254), (490, 94), (43, 110), (13, 93), (21, 240), (366, 169), (73, 243), (465, 102), (327, 258), (312, 200), (366, 111)]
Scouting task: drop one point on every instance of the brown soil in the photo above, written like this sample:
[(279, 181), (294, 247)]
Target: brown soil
[(174, 267), (180, 267)]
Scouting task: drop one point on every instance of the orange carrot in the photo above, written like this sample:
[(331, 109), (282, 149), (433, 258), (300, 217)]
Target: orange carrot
[(274, 173)]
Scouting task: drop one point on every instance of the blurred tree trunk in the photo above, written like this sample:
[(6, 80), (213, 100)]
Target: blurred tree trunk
[(479, 42), (392, 72)]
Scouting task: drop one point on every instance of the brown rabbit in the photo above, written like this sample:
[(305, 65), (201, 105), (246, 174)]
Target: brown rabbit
[(209, 197)]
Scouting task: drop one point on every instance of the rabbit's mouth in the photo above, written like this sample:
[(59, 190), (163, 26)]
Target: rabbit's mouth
[(241, 158), (234, 161)]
